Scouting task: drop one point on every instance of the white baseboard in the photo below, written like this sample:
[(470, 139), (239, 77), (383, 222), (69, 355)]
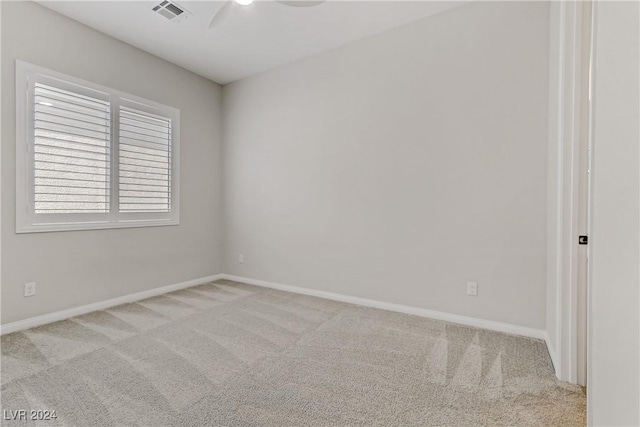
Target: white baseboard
[(77, 311), (552, 353), (422, 312)]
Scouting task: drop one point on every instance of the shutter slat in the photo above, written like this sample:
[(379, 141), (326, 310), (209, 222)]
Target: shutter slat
[(71, 97), (144, 201), (143, 181), (125, 187), (81, 191), (160, 148), (65, 182), (140, 156), (52, 173), (70, 136), (132, 167), (42, 165), (143, 208), (73, 143), (143, 175), (62, 111), (67, 148), (145, 158), (143, 193), (144, 131), (71, 152), (80, 159), (142, 125), (136, 149), (42, 101), (70, 207), (135, 138), (71, 198), (47, 125), (135, 160), (142, 117), (74, 210), (72, 121)]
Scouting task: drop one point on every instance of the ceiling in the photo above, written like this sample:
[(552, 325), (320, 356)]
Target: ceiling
[(250, 39)]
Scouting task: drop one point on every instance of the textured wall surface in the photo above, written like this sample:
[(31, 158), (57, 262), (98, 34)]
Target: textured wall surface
[(614, 357), (79, 267), (400, 167)]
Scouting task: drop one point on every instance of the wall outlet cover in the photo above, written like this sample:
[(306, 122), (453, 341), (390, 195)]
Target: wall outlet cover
[(472, 289), (29, 289)]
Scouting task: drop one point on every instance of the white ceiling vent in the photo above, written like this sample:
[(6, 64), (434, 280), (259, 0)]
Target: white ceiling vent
[(171, 11)]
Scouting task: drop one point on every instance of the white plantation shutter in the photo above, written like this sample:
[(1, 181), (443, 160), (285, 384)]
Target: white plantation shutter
[(71, 152), (90, 157), (144, 162)]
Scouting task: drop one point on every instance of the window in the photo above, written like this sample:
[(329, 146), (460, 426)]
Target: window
[(90, 157)]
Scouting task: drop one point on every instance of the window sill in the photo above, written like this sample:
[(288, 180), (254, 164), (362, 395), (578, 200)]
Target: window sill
[(83, 226)]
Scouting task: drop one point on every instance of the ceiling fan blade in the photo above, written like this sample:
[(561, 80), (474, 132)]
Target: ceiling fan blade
[(219, 16), (301, 3)]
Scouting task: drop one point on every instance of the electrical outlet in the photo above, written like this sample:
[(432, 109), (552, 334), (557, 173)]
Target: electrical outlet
[(472, 289), (241, 259), (29, 289)]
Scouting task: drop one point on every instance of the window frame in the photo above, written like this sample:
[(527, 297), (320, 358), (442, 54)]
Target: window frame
[(27, 221)]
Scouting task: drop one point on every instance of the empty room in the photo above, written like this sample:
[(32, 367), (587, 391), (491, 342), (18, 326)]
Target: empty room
[(320, 213)]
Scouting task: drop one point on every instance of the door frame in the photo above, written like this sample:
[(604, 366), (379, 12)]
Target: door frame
[(568, 73)]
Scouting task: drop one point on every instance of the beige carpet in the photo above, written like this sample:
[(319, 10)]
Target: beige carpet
[(231, 354)]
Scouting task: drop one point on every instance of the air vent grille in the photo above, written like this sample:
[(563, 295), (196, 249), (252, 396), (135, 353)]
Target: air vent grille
[(170, 10), (174, 9)]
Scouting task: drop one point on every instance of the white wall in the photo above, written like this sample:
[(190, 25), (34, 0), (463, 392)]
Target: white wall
[(81, 267), (399, 167), (614, 357)]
